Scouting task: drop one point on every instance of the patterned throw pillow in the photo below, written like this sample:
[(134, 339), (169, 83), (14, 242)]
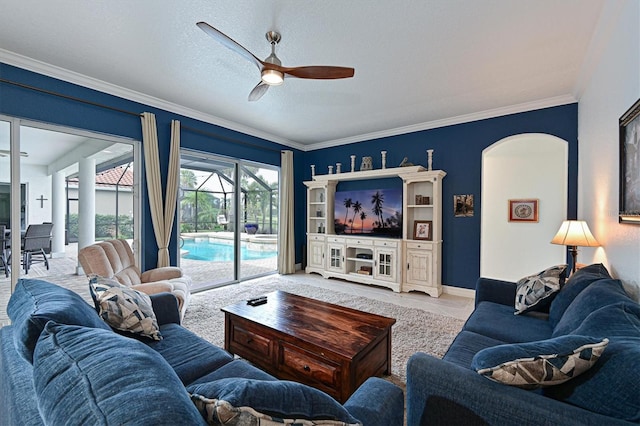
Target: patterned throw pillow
[(238, 402), (536, 291), (124, 308), (539, 364), (219, 412)]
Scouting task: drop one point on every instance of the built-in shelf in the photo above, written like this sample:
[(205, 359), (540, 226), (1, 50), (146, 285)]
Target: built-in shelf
[(369, 174), (337, 255), (359, 259)]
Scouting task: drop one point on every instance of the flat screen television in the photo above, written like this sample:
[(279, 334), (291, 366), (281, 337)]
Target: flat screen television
[(370, 212)]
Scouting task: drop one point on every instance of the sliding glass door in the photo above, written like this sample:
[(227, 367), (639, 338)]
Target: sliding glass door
[(206, 201), (228, 218), (74, 187), (259, 206)]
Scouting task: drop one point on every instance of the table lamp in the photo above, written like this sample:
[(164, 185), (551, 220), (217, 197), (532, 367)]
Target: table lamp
[(574, 233)]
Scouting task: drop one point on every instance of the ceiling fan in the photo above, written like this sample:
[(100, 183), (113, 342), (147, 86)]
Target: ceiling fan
[(271, 70)]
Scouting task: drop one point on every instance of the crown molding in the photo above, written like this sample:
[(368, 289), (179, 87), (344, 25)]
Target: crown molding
[(53, 71), (29, 64), (466, 118)]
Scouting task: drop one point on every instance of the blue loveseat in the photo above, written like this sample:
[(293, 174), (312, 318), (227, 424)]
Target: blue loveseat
[(60, 363), (590, 304)]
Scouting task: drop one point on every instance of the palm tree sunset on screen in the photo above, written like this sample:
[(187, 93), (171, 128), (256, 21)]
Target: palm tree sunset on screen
[(374, 212)]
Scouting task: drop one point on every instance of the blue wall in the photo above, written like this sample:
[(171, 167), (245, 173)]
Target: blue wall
[(35, 105), (458, 151)]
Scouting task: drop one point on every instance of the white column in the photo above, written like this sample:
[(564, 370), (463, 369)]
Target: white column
[(86, 205), (58, 204)]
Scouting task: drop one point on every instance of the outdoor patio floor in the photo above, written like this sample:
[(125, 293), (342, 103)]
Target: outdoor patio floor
[(204, 274)]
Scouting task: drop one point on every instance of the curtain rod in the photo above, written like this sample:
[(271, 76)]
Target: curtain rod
[(72, 98), (84, 101), (227, 138)]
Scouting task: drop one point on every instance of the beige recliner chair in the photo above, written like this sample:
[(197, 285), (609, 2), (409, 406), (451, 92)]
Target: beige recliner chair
[(114, 259)]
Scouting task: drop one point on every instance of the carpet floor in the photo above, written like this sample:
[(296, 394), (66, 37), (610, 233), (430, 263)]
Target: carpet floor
[(415, 330)]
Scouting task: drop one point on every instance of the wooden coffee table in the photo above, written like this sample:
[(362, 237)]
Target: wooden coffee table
[(330, 347)]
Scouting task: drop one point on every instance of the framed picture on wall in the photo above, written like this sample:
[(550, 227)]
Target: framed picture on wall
[(630, 165), (422, 230), (523, 210)]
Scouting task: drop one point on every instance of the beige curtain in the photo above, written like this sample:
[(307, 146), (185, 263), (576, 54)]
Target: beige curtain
[(171, 197), (162, 218), (286, 241)]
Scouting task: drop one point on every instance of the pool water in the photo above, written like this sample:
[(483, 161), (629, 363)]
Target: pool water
[(216, 252)]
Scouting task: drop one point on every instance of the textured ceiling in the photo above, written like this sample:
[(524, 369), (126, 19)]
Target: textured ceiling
[(417, 62)]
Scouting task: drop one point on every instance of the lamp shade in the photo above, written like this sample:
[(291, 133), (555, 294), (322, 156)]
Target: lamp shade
[(575, 233)]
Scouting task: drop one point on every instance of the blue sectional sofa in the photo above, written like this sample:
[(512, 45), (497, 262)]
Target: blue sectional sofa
[(591, 306), (60, 363)]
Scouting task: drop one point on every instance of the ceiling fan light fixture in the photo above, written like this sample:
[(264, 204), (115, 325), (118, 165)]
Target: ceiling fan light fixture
[(272, 77)]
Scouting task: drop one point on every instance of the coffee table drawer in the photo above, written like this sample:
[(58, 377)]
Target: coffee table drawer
[(249, 340), (306, 365)]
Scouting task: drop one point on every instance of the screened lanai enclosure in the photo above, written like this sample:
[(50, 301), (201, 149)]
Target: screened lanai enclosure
[(228, 218)]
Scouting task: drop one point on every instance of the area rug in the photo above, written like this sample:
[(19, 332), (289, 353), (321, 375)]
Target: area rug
[(414, 331)]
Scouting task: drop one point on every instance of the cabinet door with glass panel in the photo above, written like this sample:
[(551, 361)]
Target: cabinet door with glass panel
[(386, 260), (335, 254)]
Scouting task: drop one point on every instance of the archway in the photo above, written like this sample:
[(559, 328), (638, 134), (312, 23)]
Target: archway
[(525, 166)]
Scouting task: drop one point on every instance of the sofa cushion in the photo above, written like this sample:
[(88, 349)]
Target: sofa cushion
[(600, 293), (577, 282), (90, 376), (616, 320), (498, 322), (124, 308), (190, 356), (611, 387), (536, 292), (539, 364), (244, 399), (236, 368), (466, 345), (35, 302), (17, 394)]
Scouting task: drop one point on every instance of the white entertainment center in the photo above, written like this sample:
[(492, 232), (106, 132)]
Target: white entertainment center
[(412, 262)]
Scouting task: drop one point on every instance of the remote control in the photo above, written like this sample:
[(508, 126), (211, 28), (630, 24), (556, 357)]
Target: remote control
[(257, 301)]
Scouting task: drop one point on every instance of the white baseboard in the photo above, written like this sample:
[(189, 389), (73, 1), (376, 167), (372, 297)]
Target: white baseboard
[(446, 289), (457, 291)]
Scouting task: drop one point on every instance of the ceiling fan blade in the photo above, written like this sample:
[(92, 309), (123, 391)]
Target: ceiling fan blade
[(258, 91), (316, 72), (229, 43)]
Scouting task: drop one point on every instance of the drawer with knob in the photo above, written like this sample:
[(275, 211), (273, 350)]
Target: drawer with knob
[(309, 366), (247, 340)]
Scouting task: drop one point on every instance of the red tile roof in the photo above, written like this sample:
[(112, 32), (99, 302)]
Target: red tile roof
[(112, 177)]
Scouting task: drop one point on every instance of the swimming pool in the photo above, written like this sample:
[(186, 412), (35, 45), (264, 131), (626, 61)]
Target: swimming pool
[(217, 252)]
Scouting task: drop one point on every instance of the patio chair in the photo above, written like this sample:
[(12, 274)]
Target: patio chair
[(36, 240), (4, 250), (114, 259)]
